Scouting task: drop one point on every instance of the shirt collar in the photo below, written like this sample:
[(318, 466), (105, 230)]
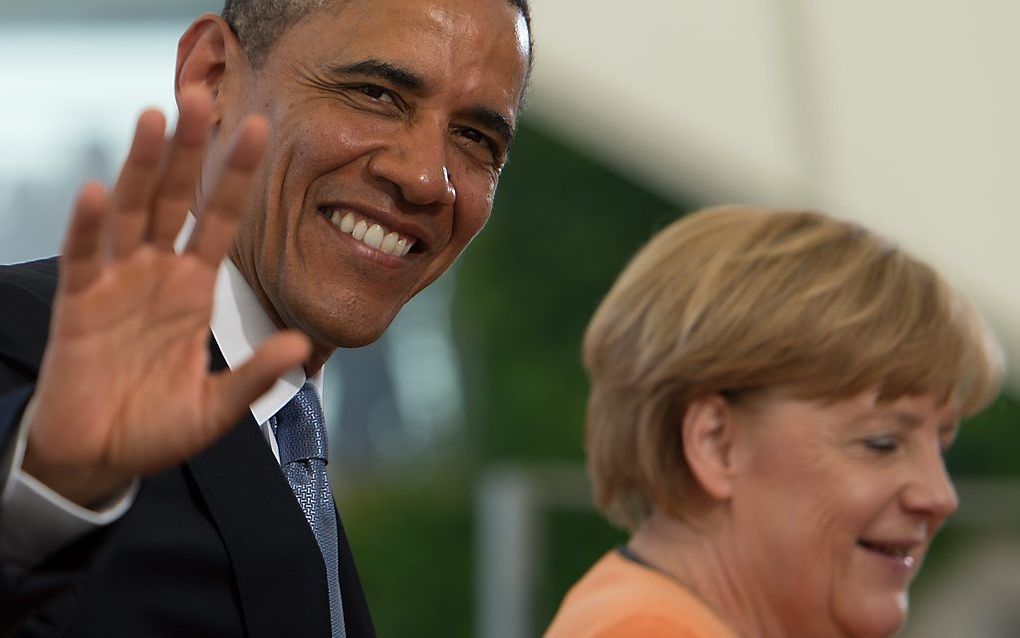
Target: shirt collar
[(240, 326)]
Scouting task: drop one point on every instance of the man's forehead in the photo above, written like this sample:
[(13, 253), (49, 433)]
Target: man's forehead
[(469, 46), (461, 19), (438, 10)]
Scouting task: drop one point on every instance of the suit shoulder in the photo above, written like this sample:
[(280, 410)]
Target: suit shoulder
[(26, 300), (30, 279)]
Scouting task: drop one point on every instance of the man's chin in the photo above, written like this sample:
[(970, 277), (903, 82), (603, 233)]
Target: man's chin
[(345, 333), (337, 320), (358, 340)]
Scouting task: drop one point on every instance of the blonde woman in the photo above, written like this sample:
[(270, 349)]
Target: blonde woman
[(771, 396)]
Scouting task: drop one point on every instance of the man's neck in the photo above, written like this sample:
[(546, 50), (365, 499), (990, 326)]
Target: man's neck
[(320, 353)]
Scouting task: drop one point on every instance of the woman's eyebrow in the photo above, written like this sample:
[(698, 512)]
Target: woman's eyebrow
[(907, 419), (888, 416), (911, 421)]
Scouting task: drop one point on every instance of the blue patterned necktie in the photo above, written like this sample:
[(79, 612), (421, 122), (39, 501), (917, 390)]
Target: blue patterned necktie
[(300, 430)]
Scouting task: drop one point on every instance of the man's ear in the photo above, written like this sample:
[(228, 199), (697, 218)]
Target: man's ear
[(209, 54), (708, 436)]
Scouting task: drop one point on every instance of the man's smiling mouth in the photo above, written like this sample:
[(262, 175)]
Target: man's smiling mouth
[(369, 232)]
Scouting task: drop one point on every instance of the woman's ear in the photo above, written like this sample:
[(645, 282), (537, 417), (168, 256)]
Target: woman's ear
[(708, 436), (209, 54)]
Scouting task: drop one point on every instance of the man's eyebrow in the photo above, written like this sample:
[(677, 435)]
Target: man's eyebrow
[(493, 120), (396, 75)]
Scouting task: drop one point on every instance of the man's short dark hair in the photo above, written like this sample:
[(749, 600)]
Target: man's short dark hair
[(259, 23)]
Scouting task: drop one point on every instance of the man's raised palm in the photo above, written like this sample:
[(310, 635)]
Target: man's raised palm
[(125, 388)]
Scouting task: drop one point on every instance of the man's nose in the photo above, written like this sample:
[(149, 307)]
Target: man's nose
[(930, 491), (415, 163)]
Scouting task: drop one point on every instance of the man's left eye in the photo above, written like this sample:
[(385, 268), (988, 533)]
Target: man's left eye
[(376, 93), (475, 136), (480, 143), (481, 147)]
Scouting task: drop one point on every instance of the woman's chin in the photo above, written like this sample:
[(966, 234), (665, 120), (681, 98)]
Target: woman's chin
[(878, 615)]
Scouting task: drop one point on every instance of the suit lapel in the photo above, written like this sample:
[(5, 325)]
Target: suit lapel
[(276, 561), (357, 619)]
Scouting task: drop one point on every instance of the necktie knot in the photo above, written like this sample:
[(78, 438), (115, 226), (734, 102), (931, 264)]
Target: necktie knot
[(300, 428)]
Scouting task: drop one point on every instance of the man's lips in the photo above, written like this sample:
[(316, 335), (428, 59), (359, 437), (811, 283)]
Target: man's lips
[(390, 237)]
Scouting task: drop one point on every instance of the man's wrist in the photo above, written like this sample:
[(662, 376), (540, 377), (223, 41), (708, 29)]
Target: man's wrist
[(35, 520), (80, 486), (83, 487)]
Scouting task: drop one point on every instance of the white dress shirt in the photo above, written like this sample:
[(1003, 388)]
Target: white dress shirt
[(35, 521)]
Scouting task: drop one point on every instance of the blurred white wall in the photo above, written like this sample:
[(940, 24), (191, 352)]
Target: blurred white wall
[(902, 115), (67, 110)]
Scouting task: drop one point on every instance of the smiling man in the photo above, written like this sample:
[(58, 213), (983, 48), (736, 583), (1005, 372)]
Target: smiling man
[(338, 156)]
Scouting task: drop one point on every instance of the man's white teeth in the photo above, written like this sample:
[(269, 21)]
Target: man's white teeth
[(359, 230), (375, 235)]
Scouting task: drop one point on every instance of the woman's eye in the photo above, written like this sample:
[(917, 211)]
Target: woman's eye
[(884, 444)]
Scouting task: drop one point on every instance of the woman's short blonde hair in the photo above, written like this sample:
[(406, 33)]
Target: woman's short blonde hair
[(738, 298)]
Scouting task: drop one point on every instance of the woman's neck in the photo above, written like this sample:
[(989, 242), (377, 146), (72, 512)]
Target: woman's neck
[(698, 558)]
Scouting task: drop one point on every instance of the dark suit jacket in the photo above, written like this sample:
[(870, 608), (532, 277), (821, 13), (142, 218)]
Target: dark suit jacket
[(215, 547)]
